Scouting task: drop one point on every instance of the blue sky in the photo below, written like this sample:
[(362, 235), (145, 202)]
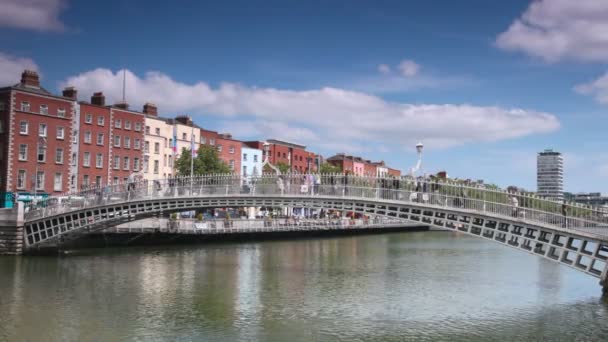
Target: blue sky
[(485, 84)]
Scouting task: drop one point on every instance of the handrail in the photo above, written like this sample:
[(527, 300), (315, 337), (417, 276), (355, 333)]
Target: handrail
[(521, 206)]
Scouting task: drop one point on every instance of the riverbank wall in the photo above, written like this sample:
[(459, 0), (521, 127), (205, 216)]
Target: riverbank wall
[(11, 231)]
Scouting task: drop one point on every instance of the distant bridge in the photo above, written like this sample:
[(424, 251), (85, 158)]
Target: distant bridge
[(572, 235)]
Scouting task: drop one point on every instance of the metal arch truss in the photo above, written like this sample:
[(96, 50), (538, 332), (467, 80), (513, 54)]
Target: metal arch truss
[(576, 249)]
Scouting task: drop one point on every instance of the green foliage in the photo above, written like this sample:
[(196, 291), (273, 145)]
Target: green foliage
[(173, 216), (329, 168), (207, 161), (199, 216), (283, 167)]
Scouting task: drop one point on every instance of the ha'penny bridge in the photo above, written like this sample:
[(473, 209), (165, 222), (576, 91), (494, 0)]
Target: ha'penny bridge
[(573, 235)]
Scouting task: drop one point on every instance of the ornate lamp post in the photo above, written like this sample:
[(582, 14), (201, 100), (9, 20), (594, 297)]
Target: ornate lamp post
[(419, 148)]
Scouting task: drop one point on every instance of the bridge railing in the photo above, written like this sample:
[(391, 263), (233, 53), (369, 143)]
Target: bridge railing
[(432, 193)]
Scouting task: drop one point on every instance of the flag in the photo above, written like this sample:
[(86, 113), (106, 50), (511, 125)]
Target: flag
[(174, 139)]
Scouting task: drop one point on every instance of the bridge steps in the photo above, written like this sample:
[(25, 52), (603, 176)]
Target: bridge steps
[(11, 232)]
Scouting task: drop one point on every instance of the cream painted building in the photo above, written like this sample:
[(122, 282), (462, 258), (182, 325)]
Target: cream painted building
[(185, 128), (158, 152)]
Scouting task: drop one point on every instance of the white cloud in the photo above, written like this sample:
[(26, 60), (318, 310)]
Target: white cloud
[(560, 29), (11, 68), (597, 88), (40, 15), (384, 69), (408, 68), (329, 116)]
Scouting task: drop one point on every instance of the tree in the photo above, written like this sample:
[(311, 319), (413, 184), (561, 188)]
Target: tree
[(329, 168), (283, 167), (206, 161)]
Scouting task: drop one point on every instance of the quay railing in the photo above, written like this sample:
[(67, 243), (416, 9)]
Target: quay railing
[(219, 226), (430, 193)]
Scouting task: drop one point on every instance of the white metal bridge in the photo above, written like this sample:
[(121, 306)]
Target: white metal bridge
[(570, 234)]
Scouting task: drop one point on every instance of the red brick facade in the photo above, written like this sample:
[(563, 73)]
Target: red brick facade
[(293, 155), (126, 151), (94, 144), (36, 138)]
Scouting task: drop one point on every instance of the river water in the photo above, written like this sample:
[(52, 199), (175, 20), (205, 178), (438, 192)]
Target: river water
[(390, 287)]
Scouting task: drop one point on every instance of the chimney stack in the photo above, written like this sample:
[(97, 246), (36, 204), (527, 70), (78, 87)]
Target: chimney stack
[(29, 78), (184, 120), (150, 109), (98, 99), (121, 105), (71, 93)]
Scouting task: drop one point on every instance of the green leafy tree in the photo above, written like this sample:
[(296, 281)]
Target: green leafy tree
[(283, 167), (329, 168), (206, 161)]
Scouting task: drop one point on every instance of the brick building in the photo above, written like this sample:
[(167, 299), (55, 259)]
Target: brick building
[(35, 138), (362, 167), (126, 152), (294, 155), (94, 142)]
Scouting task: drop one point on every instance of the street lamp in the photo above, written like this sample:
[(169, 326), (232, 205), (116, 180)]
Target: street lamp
[(419, 147)]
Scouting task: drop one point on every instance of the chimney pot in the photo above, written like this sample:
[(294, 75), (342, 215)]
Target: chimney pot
[(150, 109), (98, 99), (29, 78), (121, 105), (71, 93)]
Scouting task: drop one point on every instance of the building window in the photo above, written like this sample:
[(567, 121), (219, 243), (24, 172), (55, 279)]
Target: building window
[(165, 142), (40, 180), (255, 158), (125, 163), (157, 131), (60, 133), (23, 152), (23, 127), (127, 124), (42, 130), (231, 164), (73, 159), (212, 141), (147, 129), (61, 113), (87, 137), (41, 153), (244, 170), (231, 150), (203, 140), (137, 144), (146, 158), (88, 118), (59, 156), (135, 164), (118, 123), (100, 138), (116, 162), (156, 148), (98, 181), (156, 167), (165, 160), (138, 127), (100, 121), (44, 109), (57, 183), (244, 156), (170, 161), (25, 106), (170, 142), (21, 177), (115, 180), (86, 160), (85, 180), (184, 136), (147, 147), (219, 148), (117, 141), (99, 161), (127, 142), (75, 137)]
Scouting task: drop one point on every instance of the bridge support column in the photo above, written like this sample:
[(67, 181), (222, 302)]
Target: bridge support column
[(604, 280), (11, 230)]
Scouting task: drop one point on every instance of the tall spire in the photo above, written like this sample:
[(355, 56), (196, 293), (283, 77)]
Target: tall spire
[(124, 83)]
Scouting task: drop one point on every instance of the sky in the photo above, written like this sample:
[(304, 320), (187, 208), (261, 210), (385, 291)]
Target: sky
[(484, 84)]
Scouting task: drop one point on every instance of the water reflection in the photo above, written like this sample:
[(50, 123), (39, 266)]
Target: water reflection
[(431, 286)]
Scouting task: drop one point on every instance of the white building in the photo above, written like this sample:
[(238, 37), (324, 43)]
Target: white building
[(550, 175), (158, 151), (251, 161)]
